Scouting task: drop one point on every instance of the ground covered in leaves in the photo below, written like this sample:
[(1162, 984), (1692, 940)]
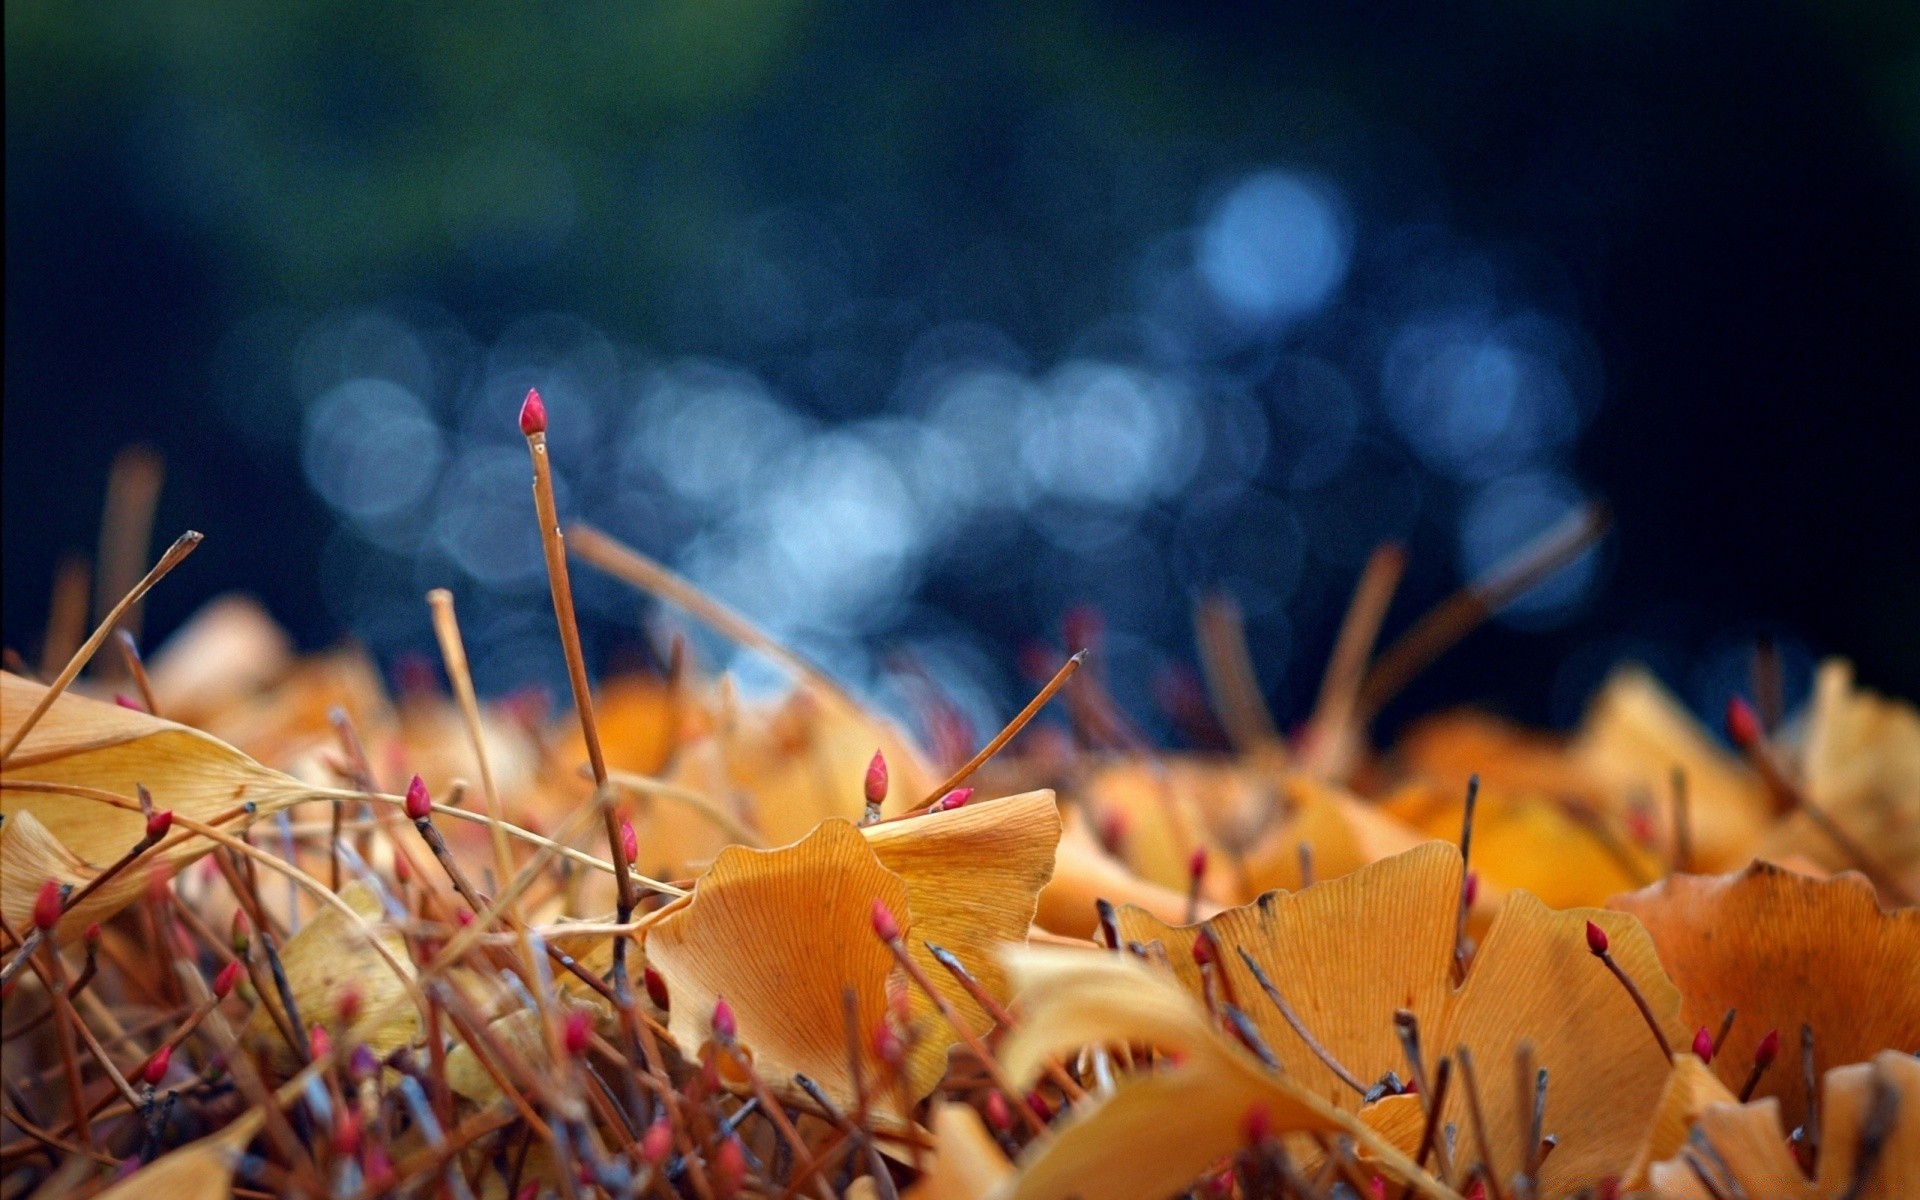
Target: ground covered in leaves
[(269, 929)]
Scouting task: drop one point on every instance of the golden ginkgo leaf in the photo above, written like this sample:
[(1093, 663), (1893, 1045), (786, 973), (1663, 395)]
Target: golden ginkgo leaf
[(29, 856), (778, 934), (1635, 735), (1527, 840), (1083, 872), (1691, 1089), (1861, 765), (328, 957), (1787, 950), (1869, 1142), (85, 744), (1157, 1131), (804, 760), (973, 879), (1341, 834), (1347, 954), (966, 1164), (1168, 807)]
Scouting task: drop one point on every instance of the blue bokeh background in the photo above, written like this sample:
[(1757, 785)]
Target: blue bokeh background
[(907, 328)]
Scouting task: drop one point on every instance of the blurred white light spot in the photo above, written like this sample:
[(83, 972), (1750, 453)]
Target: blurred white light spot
[(1112, 435), (1276, 246), (1505, 516), (485, 522), (1470, 402), (711, 432), (371, 450)]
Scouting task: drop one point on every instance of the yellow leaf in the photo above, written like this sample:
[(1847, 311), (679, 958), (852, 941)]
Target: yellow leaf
[(1748, 1146), (328, 956), (1346, 954), (1861, 764), (1635, 734), (1083, 872), (966, 1164), (1526, 840), (973, 878), (779, 933), (1785, 949), (1690, 1091), (1156, 1132), (84, 743)]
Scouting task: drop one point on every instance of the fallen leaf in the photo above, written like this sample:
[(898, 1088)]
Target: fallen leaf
[(778, 934), (973, 877), (1348, 953), (1633, 737), (84, 743), (966, 1164), (327, 957), (1743, 1148), (1786, 950), (1157, 1131)]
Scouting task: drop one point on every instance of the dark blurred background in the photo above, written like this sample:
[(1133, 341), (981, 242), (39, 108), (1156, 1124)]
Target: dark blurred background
[(909, 327)]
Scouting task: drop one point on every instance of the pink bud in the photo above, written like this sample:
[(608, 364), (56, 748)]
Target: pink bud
[(155, 1068), (1767, 1050), (657, 1142), (402, 869), (320, 1042), (349, 1006), (1257, 1126), (579, 1033), (419, 804), (729, 1169), (126, 701), (158, 824), (1596, 939), (885, 927), (93, 937), (1743, 724), (1703, 1045), (346, 1130), (533, 414), (1197, 864), (629, 841), (887, 1045), (998, 1116), (656, 989), (1205, 953), (957, 798), (876, 787), (378, 1167), (724, 1026), (224, 981), (1473, 887), (47, 905)]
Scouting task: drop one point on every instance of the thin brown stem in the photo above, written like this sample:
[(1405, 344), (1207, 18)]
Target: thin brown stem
[(1332, 727), (1640, 1002), (1299, 1028), (1488, 1172), (184, 545), (126, 531), (1443, 626), (1227, 665), (130, 654), (1006, 735), (964, 1031)]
